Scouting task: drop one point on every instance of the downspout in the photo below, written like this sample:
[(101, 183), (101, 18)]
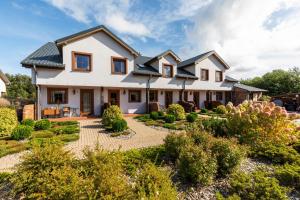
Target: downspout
[(183, 89), (37, 88), (147, 94)]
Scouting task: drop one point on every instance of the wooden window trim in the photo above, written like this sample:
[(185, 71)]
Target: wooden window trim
[(207, 74), (49, 90), (140, 96), (221, 76), (163, 71), (221, 96), (156, 92), (113, 65), (74, 65)]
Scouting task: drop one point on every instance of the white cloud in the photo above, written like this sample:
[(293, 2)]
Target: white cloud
[(253, 36)]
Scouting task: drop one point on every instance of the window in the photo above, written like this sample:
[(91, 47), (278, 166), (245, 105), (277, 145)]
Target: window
[(118, 65), (81, 61), (219, 96), (153, 96), (134, 96), (204, 75), (208, 96), (57, 95), (167, 70), (219, 76)]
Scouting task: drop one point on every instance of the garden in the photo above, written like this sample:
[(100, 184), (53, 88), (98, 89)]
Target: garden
[(19, 136), (254, 153)]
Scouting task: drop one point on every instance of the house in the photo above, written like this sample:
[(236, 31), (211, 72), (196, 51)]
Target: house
[(85, 70), (3, 83)]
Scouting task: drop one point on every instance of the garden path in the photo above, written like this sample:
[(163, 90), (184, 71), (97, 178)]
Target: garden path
[(92, 134)]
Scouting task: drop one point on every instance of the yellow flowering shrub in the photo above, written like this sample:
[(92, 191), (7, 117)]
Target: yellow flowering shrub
[(255, 122)]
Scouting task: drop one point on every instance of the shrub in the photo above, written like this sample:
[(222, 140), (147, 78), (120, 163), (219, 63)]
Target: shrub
[(201, 139), (143, 118), (216, 126), (256, 122), (221, 109), (176, 110), (46, 173), (170, 118), (8, 120), (170, 126), (66, 123), (161, 114), (174, 143), (108, 176), (256, 185), (67, 137), (288, 175), (196, 165), (203, 110), (110, 114), (42, 134), (4, 176), (119, 125), (228, 155), (191, 117), (154, 183), (279, 154), (296, 146), (28, 122), (154, 115), (70, 129), (42, 124), (21, 132)]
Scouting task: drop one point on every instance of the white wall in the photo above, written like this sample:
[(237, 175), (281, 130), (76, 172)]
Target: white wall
[(2, 86)]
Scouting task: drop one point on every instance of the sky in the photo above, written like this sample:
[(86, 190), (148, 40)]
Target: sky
[(253, 37)]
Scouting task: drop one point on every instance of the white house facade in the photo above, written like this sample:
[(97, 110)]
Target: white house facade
[(85, 70), (3, 83)]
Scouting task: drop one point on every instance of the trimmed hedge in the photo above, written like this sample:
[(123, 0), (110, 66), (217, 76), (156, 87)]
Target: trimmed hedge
[(42, 124), (154, 115), (170, 118), (191, 117), (176, 110), (119, 125), (28, 122), (21, 132)]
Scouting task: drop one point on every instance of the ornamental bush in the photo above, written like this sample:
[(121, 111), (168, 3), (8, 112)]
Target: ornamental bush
[(175, 143), (70, 129), (154, 115), (218, 127), (228, 155), (110, 114), (21, 132), (204, 110), (259, 122), (288, 175), (42, 124), (256, 185), (170, 118), (176, 110), (221, 109), (191, 117), (154, 183), (196, 165), (28, 122), (119, 125), (8, 120)]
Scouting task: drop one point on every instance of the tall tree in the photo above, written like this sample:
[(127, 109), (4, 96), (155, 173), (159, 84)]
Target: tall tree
[(277, 82), (20, 87)]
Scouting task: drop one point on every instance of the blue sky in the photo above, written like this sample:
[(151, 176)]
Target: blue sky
[(252, 36)]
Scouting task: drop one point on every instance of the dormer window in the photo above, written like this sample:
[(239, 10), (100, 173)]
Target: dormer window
[(204, 74), (81, 61), (118, 65), (219, 76), (167, 71)]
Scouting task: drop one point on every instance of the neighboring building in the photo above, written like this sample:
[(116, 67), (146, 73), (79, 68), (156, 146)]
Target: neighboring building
[(3, 83), (87, 69)]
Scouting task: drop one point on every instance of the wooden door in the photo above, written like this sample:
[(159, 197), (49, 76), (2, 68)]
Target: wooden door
[(168, 98), (86, 102), (196, 99), (114, 97)]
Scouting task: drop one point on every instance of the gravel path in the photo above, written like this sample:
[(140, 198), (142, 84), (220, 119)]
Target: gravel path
[(91, 133)]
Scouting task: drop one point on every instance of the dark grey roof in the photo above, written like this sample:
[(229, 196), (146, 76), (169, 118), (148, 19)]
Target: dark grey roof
[(46, 56), (181, 73), (161, 55), (230, 79), (140, 68), (249, 88), (101, 27), (192, 60), (4, 78)]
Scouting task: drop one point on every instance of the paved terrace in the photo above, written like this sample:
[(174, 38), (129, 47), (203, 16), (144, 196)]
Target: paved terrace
[(91, 133)]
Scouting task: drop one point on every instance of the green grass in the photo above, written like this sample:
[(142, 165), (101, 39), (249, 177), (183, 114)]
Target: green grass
[(11, 146)]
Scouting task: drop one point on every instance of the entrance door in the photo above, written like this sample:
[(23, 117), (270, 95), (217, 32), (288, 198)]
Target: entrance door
[(228, 97), (168, 98), (86, 101), (114, 97), (196, 99)]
